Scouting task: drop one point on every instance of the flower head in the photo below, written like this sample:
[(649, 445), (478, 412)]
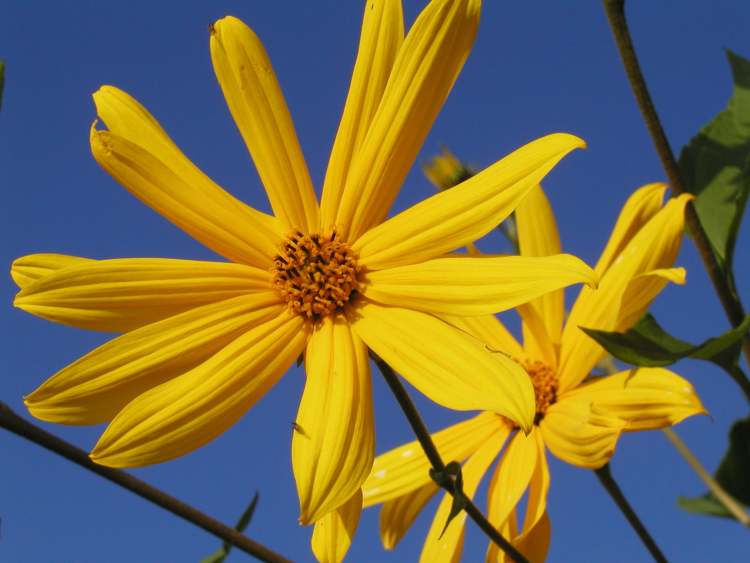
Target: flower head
[(579, 418), (203, 341)]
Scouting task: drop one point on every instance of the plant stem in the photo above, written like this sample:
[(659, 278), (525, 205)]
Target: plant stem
[(734, 508), (423, 435), (608, 482), (21, 427), (729, 299)]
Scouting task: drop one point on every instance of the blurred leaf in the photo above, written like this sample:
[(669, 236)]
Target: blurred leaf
[(715, 166), (220, 555), (451, 480), (648, 345), (733, 475)]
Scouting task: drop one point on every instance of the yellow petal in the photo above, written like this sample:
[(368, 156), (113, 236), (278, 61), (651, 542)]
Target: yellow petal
[(333, 533), (398, 514), (579, 434), (406, 468), (654, 247), (536, 507), (139, 155), (96, 387), (535, 544), (538, 236), (455, 217), (645, 398), (490, 331), (334, 439), (449, 546), (257, 104), (379, 42), (32, 267), (189, 411), (125, 293), (461, 285), (425, 69), (642, 290), (450, 367), (537, 343), (643, 204)]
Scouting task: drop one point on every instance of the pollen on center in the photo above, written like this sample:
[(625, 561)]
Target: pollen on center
[(316, 274)]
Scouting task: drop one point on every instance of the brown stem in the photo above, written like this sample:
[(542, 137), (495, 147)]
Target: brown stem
[(729, 299), (610, 485), (438, 466), (21, 427)]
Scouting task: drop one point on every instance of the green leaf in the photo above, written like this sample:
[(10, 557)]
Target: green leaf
[(220, 555), (648, 345), (715, 166), (452, 481), (706, 504)]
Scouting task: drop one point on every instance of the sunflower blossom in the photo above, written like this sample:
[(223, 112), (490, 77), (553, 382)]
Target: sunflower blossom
[(579, 418), (203, 341)]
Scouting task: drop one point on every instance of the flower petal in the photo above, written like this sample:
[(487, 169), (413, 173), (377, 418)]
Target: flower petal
[(257, 104), (406, 468), (448, 547), (192, 409), (334, 441), (490, 331), (448, 366), (125, 293), (96, 387), (466, 286), (379, 42), (538, 236), (28, 269), (537, 344), (579, 434), (642, 290), (645, 398), (423, 74), (333, 533), (643, 204), (140, 155), (453, 218), (397, 515), (654, 247)]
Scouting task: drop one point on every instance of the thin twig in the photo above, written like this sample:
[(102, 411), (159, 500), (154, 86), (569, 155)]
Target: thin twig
[(17, 425), (729, 299), (610, 485), (734, 508), (438, 466)]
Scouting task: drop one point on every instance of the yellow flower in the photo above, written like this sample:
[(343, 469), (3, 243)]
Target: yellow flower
[(578, 421), (203, 341)]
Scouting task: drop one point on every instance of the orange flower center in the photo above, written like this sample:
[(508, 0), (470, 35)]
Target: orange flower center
[(316, 274), (544, 380)]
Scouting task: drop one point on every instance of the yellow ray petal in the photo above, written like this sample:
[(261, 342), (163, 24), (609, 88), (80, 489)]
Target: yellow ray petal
[(406, 468), (643, 204), (96, 387), (397, 515), (139, 155), (455, 217), (257, 104), (536, 506), (645, 398), (642, 290), (654, 247), (537, 344), (449, 546), (579, 434), (535, 544), (379, 42), (461, 285), (425, 69), (28, 269), (538, 236), (333, 533), (125, 293), (189, 411), (490, 331), (450, 367), (334, 439)]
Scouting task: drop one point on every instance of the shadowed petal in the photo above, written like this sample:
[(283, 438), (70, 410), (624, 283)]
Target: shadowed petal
[(333, 533), (397, 515)]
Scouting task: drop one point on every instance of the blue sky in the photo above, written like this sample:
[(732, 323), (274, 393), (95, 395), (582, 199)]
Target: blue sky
[(536, 68)]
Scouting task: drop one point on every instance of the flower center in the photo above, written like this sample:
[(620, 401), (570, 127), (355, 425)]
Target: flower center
[(316, 274), (544, 380)]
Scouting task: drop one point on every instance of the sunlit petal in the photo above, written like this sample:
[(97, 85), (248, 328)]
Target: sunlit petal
[(397, 515), (28, 269), (333, 533), (488, 330)]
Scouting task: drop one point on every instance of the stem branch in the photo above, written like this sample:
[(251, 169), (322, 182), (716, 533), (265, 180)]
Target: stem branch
[(423, 435), (21, 427)]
